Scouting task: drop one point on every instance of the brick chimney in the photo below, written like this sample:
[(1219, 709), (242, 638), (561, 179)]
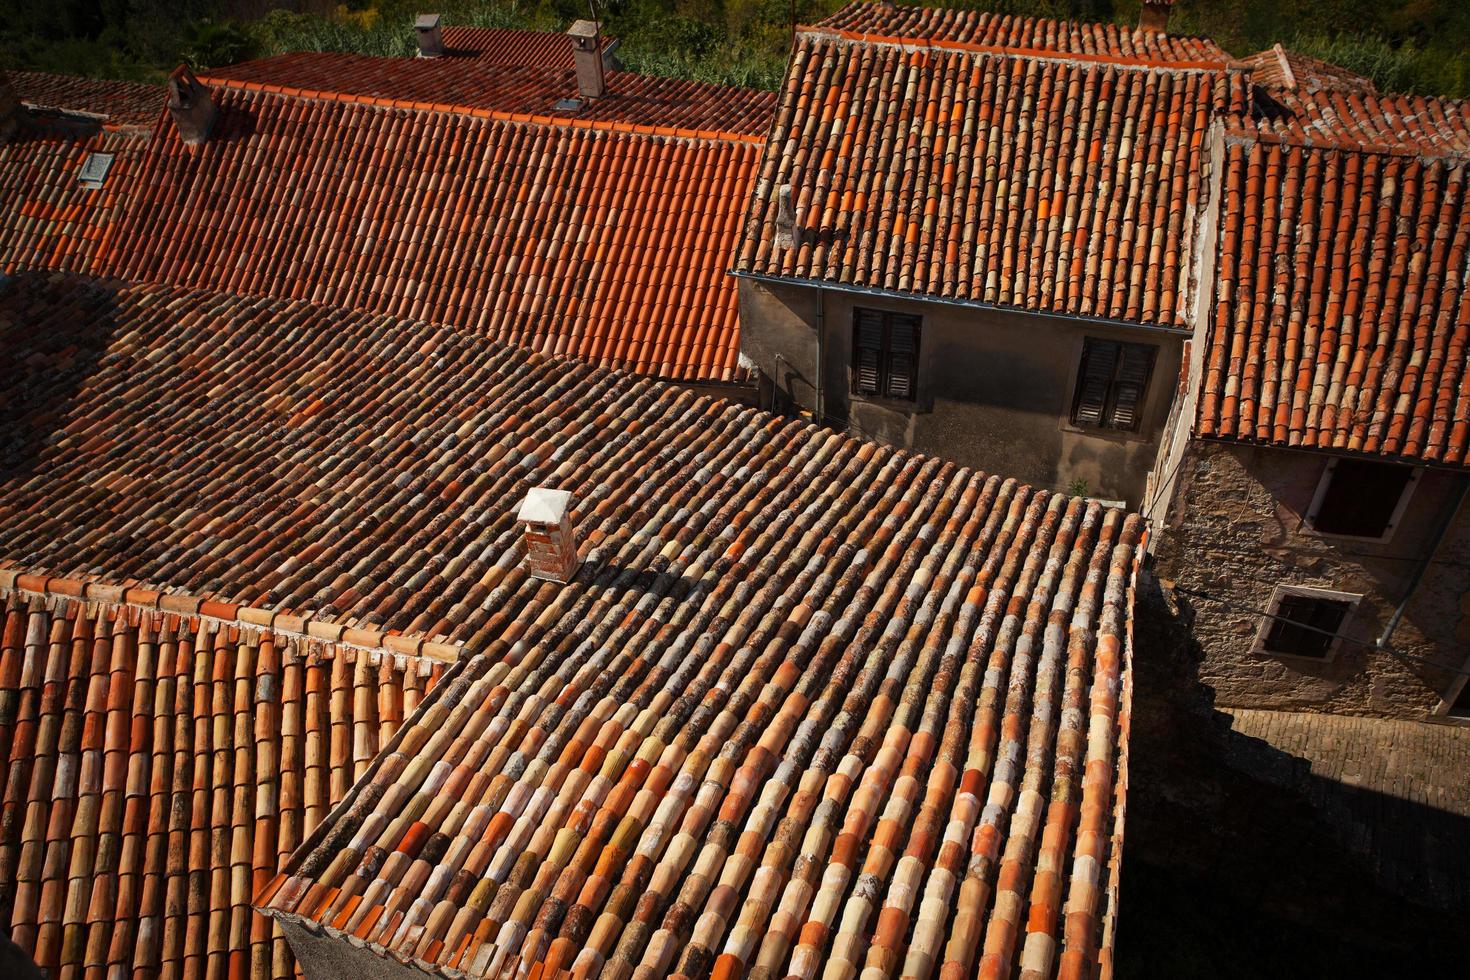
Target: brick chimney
[(431, 41), (551, 543), (1153, 18), (9, 107), (587, 55), (190, 105)]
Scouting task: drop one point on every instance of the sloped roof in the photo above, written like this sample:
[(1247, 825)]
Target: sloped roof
[(118, 102), (1045, 183), (48, 218), (1341, 312), (161, 765), (1278, 69), (744, 577), (664, 105), (1341, 315), (604, 233), (980, 28), (592, 237), (505, 46)]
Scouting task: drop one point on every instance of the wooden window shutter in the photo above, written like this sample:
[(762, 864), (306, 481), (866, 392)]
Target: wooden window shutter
[(1112, 384), (1099, 358), (1130, 386), (903, 355), (885, 354), (868, 359)]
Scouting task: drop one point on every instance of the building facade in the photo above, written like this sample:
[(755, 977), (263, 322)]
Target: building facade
[(957, 244)]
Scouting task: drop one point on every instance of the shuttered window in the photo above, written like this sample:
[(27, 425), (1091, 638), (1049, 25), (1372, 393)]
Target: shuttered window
[(885, 354), (1112, 384)]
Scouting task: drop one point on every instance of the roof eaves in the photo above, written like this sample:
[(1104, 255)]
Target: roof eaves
[(229, 613), (974, 304)]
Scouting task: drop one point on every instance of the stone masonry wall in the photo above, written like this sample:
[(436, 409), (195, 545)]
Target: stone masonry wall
[(1236, 530)]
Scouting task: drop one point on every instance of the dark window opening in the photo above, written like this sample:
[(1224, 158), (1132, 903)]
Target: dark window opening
[(1112, 384), (1305, 626), (885, 354), (1460, 708), (1361, 498)]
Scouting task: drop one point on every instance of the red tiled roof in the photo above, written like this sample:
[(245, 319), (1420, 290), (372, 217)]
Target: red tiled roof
[(503, 46), (121, 103), (1279, 70), (1341, 317), (744, 577), (159, 768), (1349, 119), (666, 104), (607, 245), (986, 29), (48, 218), (1048, 184)]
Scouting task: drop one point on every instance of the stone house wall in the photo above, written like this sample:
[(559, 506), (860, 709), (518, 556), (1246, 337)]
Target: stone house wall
[(1236, 529)]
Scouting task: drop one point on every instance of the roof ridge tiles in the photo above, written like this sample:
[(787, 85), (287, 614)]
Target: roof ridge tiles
[(484, 112), (1042, 54), (280, 621)]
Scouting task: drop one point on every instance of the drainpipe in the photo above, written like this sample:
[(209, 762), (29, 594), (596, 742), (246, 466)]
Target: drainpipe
[(821, 409), (1439, 534)]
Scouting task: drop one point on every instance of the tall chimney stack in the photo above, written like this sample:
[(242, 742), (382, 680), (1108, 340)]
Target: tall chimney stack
[(587, 55), (431, 40), (1153, 18), (190, 105), (551, 542)]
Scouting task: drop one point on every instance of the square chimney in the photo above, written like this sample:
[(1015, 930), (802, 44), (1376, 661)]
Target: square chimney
[(1153, 16), (190, 105), (551, 542), (431, 40), (587, 56)]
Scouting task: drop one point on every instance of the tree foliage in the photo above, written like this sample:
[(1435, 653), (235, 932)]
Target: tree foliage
[(1403, 45)]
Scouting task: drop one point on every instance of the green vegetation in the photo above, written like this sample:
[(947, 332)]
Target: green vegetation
[(1403, 45)]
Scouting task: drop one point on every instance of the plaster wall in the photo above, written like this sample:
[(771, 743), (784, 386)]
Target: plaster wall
[(995, 387)]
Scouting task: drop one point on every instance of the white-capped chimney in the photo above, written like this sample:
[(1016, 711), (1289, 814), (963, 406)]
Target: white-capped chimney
[(1153, 17), (190, 105), (430, 38), (587, 56), (551, 541)]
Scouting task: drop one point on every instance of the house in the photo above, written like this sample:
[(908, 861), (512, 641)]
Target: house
[(972, 234), (682, 636), (1309, 501), (592, 216)]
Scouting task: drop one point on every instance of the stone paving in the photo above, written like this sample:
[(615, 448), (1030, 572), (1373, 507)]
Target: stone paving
[(1397, 793)]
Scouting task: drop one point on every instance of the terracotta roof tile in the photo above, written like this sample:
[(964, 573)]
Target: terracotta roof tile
[(504, 46), (577, 240), (48, 217), (777, 634), (159, 768), (1278, 69), (975, 27), (1341, 315), (640, 100), (1044, 183), (121, 103)]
